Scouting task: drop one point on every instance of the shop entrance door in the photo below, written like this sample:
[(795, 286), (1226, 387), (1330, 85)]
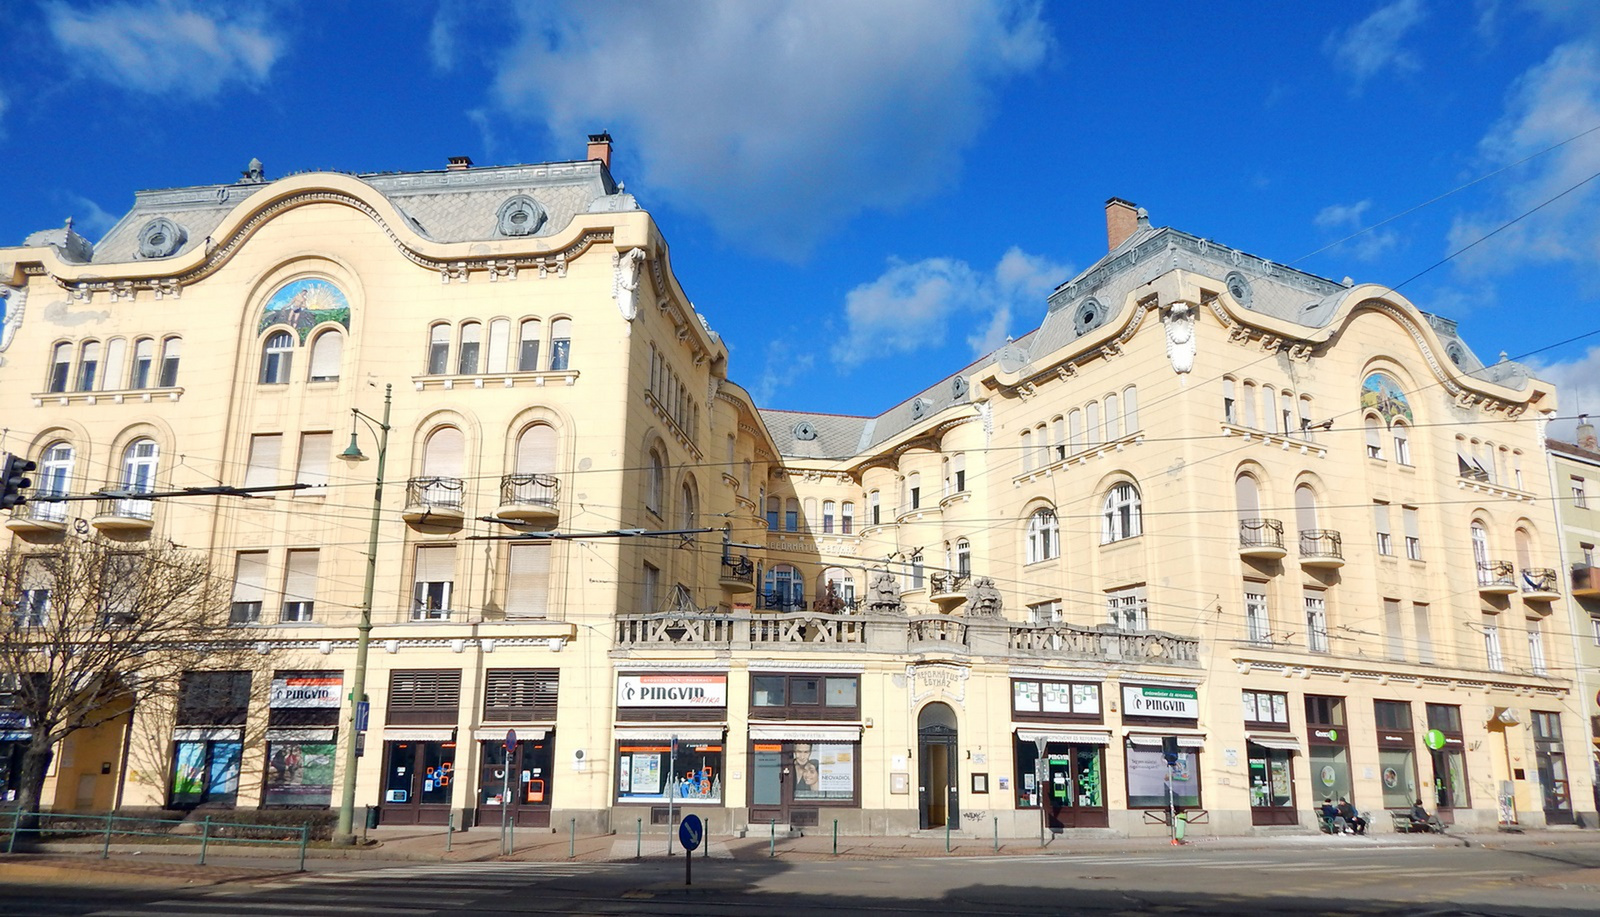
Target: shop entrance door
[(530, 775), (938, 785), (417, 782), (1551, 760), (1074, 791)]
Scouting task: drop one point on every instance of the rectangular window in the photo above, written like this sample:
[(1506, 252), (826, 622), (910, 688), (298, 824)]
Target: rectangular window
[(262, 470), (1128, 609), (316, 452), (169, 362), (827, 517), (1491, 644), (299, 587), (1579, 498), (1230, 405), (959, 463), (847, 518), (1413, 530), (1266, 708), (1394, 636), (249, 587), (1257, 627), (1045, 613), (1536, 648), (1149, 776), (1079, 700), (424, 697), (1424, 629), (433, 583), (1374, 439), (528, 346), (805, 697), (520, 695), (1380, 522), (528, 581), (650, 589), (1316, 621), (144, 358), (648, 771), (213, 698), (874, 510)]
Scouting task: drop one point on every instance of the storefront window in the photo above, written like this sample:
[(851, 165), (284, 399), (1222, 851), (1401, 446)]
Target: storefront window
[(528, 781), (649, 772), (1399, 769), (1271, 785), (1056, 697), (1027, 775), (824, 771), (1330, 772), (1148, 777), (299, 773), (205, 771)]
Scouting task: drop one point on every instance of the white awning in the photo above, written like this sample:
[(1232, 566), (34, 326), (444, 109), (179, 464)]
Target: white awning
[(300, 735), (411, 734), (1065, 736), (701, 733), (208, 733), (525, 733), (1285, 743), (1190, 740), (800, 732)]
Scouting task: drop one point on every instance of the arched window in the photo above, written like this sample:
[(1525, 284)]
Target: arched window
[(1230, 402), (655, 485), (1058, 437), (1305, 416), (327, 353), (1044, 539), (1402, 442), (917, 569), (443, 460), (1305, 509), (1027, 450), (471, 347), (808, 517), (874, 509), (688, 505), (499, 345), (963, 557), (560, 343), (774, 509), (914, 490), (1524, 549), (55, 480), (144, 362), (1113, 418), (1249, 400), (438, 349), (536, 450), (1247, 495), (1074, 430), (847, 518), (529, 334), (1374, 436), (140, 462), (276, 356), (116, 364), (89, 366), (60, 367), (1042, 444), (841, 582), (1480, 552), (827, 517), (171, 350), (791, 515), (1120, 514), (1269, 408), (1130, 410), (785, 590), (1092, 422)]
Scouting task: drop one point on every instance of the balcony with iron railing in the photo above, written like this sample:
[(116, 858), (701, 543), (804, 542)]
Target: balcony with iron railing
[(1497, 577), (737, 575), (1585, 581), (1261, 539), (434, 501), (948, 590), (530, 498), (1540, 584), (35, 518), (780, 601), (1321, 548), (123, 514)]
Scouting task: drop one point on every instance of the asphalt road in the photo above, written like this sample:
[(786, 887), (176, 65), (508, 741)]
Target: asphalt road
[(1504, 880)]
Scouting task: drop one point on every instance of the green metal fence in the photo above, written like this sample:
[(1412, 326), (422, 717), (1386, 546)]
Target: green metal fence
[(111, 827)]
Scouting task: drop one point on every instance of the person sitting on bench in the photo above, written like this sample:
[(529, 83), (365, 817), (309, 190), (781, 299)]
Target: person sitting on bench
[(1351, 817), (1422, 821), (1330, 816)]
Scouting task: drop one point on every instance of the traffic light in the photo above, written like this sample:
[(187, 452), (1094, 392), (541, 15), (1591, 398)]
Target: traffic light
[(13, 479), (1169, 750)]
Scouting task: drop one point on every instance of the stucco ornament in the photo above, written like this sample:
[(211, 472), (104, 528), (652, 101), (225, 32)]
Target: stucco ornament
[(983, 599), (625, 284), (12, 301), (884, 592), (1179, 319)]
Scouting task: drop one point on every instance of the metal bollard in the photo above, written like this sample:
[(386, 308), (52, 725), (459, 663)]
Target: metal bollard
[(997, 835), (305, 837), (638, 838), (105, 848), (205, 839), (572, 840), (772, 845), (450, 832), (947, 834), (836, 837)]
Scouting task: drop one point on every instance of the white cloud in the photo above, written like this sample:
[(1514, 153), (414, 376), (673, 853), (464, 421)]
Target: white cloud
[(1348, 219), (88, 218), (1374, 44), (169, 46), (784, 364), (778, 120), (442, 40), (1552, 102), (1577, 385), (912, 306)]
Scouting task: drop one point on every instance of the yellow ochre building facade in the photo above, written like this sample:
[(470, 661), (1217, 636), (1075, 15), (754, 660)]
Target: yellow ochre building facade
[(1289, 529)]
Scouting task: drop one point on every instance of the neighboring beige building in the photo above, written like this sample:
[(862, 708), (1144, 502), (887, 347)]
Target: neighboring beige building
[(1291, 525), (1575, 475)]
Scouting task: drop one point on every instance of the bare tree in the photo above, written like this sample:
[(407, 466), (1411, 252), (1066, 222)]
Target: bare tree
[(92, 627)]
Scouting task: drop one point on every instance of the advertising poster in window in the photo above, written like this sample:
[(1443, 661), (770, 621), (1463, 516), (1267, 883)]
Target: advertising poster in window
[(312, 690), (1147, 779), (300, 774), (1025, 695), (1057, 697), (824, 771)]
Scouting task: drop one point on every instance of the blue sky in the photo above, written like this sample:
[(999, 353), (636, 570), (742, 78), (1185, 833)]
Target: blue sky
[(862, 197)]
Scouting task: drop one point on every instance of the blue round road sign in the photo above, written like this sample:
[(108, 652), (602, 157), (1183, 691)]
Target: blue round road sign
[(691, 832)]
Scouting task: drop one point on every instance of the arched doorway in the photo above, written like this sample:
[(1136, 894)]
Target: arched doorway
[(938, 784)]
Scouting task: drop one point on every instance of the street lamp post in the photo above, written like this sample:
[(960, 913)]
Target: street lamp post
[(345, 833)]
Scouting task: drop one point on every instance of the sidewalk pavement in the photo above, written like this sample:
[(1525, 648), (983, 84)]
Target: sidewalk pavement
[(175, 865)]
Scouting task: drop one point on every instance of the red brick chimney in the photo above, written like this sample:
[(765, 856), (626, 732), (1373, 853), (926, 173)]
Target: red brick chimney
[(600, 148), (458, 163), (1122, 220)]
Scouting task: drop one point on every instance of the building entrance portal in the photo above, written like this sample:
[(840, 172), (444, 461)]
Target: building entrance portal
[(938, 784)]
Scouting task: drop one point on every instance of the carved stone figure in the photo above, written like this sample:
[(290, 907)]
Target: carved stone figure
[(626, 281), (983, 599), (884, 592), (1179, 319), (13, 300)]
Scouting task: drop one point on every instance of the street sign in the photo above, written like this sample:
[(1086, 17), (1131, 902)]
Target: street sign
[(691, 832), (363, 714), (511, 739)]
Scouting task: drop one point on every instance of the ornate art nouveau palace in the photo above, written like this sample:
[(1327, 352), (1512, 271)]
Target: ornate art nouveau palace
[(1293, 524)]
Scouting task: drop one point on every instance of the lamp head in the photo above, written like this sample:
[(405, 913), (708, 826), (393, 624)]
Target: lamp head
[(352, 452)]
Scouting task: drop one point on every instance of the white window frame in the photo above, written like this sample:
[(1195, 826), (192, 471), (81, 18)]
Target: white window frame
[(1128, 609), (1121, 515), (277, 357), (1044, 536), (1316, 608), (1257, 615)]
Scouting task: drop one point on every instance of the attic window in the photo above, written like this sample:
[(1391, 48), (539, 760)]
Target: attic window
[(1239, 288), (958, 387), (919, 406), (1090, 315), (804, 431), (520, 215), (1454, 352), (160, 238)]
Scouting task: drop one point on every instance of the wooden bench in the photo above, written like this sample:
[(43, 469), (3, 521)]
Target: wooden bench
[(1405, 824)]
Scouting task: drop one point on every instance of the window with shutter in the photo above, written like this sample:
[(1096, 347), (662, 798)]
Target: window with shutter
[(249, 587), (144, 358), (424, 697), (499, 345), (262, 470), (327, 352), (300, 586), (528, 582), (520, 695), (316, 451), (433, 583), (213, 698), (171, 350), (116, 363)]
